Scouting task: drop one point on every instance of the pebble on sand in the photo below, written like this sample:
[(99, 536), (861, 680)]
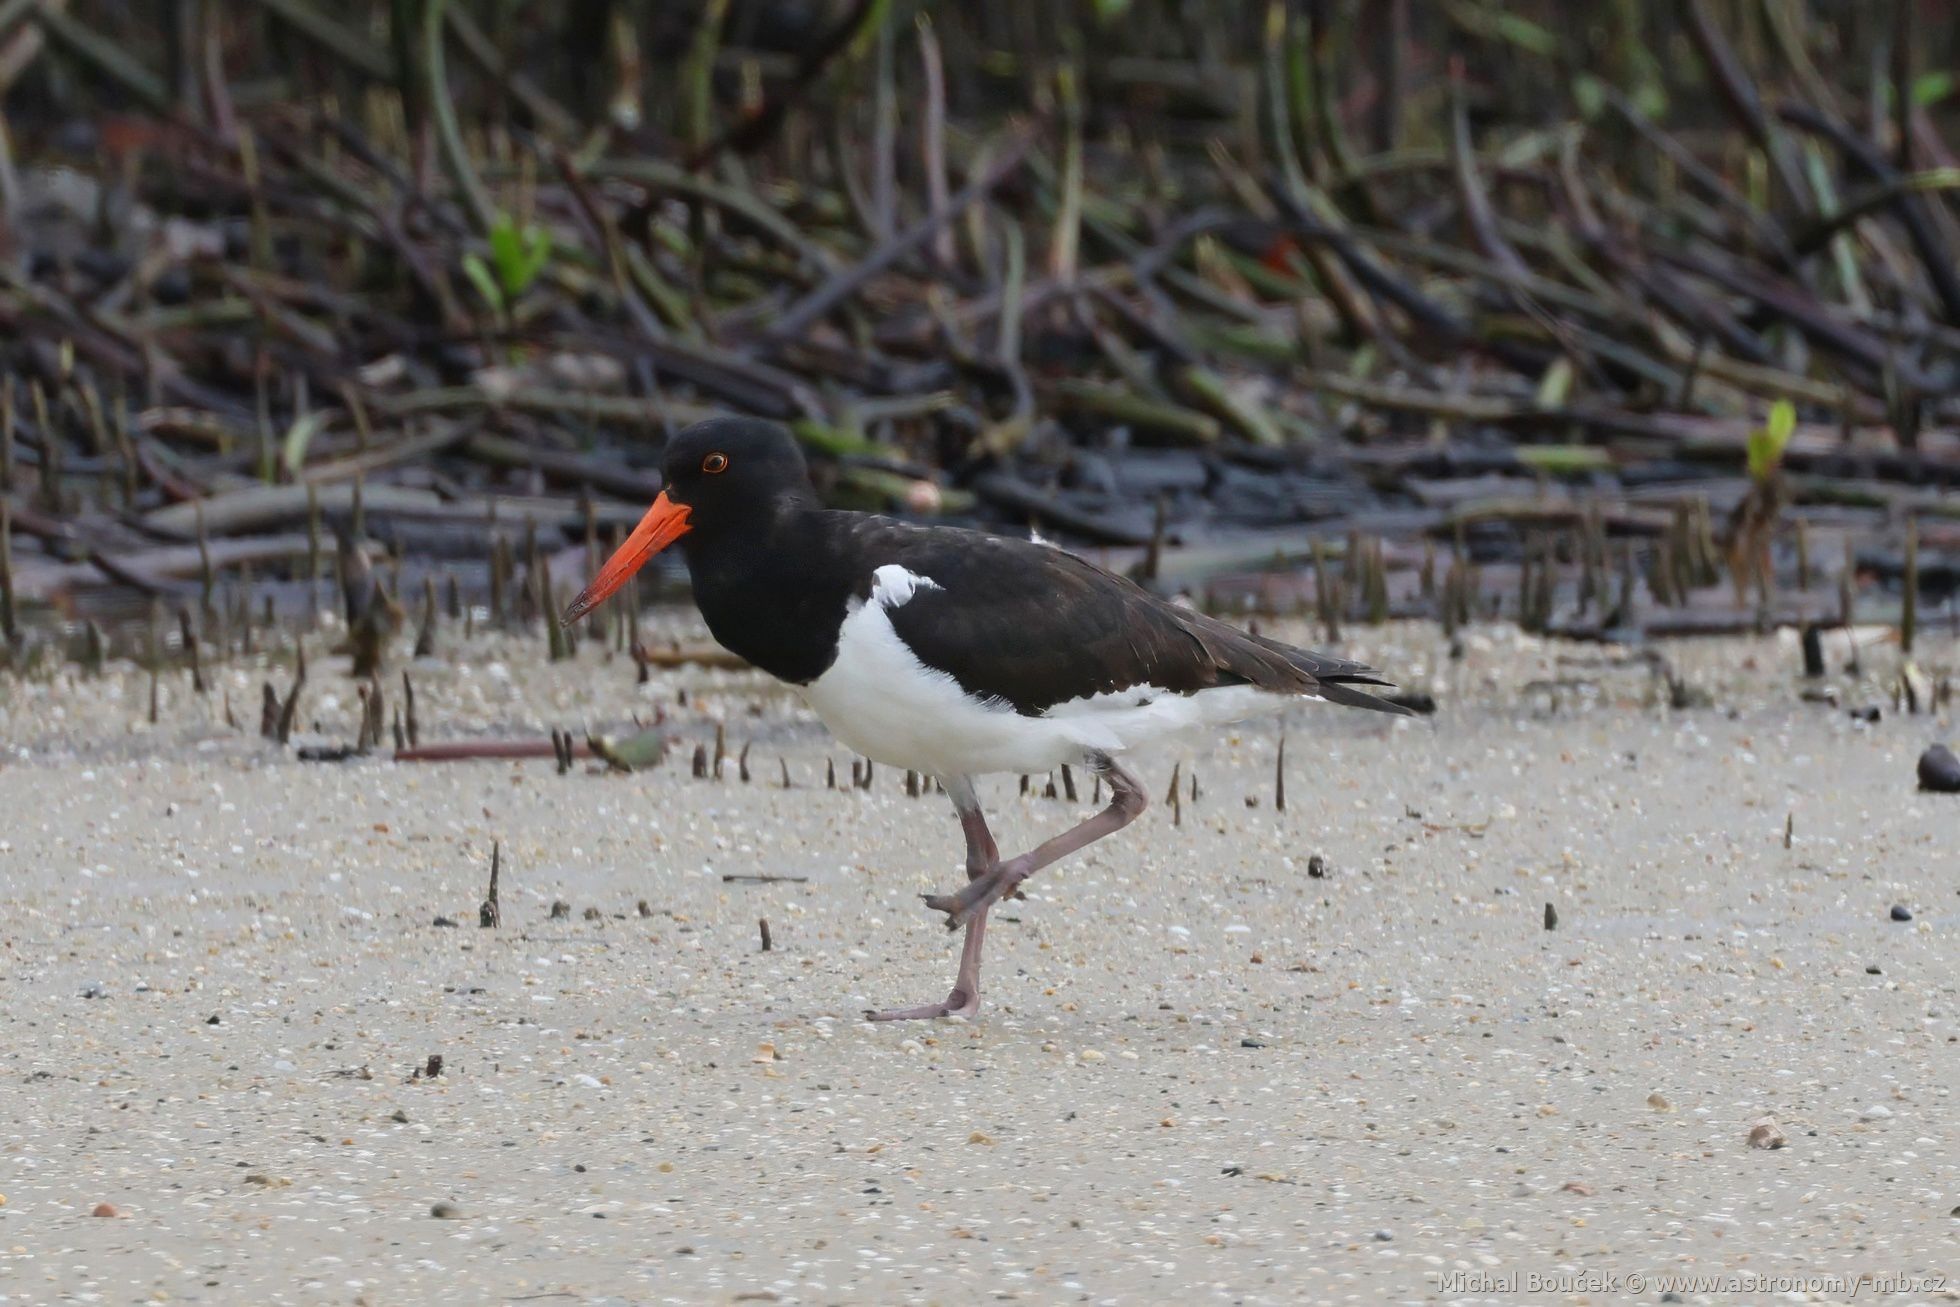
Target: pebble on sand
[(1900, 912), (1939, 770), (105, 1209), (1766, 1134), (1659, 1102), (446, 1212)]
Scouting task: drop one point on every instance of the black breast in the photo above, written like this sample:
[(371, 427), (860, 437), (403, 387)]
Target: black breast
[(777, 598), (789, 633)]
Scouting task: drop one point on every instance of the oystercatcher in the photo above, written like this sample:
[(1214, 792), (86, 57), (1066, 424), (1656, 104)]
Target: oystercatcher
[(951, 652)]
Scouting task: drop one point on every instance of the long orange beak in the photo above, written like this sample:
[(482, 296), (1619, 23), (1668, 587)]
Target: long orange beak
[(664, 523)]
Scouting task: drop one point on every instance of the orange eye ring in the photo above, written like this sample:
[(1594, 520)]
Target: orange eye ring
[(714, 463)]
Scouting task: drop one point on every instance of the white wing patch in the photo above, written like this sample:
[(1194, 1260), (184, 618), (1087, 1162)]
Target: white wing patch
[(893, 587)]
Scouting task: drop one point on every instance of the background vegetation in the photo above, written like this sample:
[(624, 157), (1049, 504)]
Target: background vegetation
[(1609, 317)]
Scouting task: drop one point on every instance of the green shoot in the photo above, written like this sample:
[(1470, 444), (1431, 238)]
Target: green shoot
[(298, 436), (1766, 445), (517, 256)]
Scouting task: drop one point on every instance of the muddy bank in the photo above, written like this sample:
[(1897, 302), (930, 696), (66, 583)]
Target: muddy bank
[(1203, 1072)]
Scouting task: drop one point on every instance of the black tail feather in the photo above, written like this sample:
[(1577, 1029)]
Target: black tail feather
[(1336, 675)]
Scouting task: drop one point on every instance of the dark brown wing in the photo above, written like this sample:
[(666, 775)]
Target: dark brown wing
[(1034, 626)]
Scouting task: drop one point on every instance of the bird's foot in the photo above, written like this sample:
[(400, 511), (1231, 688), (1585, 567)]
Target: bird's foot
[(982, 892), (959, 1003)]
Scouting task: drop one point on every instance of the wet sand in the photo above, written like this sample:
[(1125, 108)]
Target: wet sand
[(1202, 1075)]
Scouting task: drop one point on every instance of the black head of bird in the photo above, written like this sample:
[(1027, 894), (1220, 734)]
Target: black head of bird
[(721, 475)]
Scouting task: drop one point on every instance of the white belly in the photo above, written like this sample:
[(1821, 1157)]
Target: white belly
[(881, 701)]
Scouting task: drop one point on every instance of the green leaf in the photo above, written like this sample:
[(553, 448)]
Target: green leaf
[(292, 450), (507, 254), (1555, 387), (519, 254), (1526, 35), (1766, 445), (1931, 88), (1589, 93), (484, 280), (1109, 11), (537, 253), (1651, 101)]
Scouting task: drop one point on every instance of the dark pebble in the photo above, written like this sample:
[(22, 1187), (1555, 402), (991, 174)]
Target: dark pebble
[(443, 921), (1939, 770), (1869, 713), (1873, 971), (211, 1020), (1384, 1236), (1900, 912), (1551, 917), (1317, 867), (94, 989), (1250, 1043)]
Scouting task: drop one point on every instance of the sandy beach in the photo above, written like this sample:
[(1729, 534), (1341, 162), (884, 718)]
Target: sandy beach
[(1203, 1074)]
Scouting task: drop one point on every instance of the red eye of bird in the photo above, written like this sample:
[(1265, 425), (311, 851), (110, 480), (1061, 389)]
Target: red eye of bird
[(715, 463)]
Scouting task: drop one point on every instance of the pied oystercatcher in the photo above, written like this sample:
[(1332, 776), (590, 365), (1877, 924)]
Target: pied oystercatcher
[(951, 652)]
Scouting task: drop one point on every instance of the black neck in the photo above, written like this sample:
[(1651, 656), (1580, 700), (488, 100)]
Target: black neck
[(775, 592)]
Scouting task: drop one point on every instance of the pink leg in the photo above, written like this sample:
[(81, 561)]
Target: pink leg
[(1126, 802), (981, 858)]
